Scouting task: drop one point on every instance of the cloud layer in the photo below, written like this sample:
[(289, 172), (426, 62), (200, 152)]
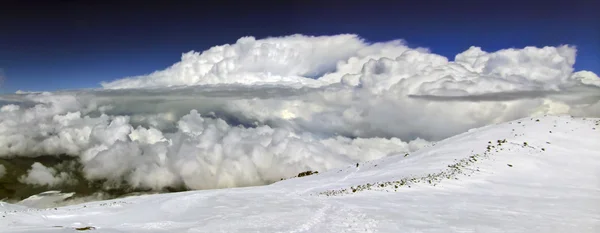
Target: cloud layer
[(199, 153), (259, 110)]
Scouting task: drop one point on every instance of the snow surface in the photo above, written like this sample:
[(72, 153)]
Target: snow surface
[(257, 110), (544, 178)]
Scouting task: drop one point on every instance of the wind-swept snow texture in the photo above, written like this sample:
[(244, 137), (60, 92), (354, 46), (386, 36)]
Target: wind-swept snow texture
[(536, 174)]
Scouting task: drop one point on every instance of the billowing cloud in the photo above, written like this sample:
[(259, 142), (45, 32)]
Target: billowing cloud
[(197, 153), (259, 110), (273, 60), (42, 175)]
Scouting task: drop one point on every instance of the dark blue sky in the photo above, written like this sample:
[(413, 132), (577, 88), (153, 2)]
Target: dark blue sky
[(50, 45)]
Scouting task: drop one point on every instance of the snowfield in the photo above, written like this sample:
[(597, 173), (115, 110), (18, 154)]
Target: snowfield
[(261, 109), (539, 174)]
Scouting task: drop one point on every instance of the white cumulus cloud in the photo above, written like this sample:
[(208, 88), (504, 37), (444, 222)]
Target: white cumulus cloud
[(259, 110), (281, 60), (42, 175)]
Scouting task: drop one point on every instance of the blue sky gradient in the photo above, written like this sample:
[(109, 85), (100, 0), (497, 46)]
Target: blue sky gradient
[(77, 44)]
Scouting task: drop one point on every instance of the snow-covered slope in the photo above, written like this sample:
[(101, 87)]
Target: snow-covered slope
[(530, 175)]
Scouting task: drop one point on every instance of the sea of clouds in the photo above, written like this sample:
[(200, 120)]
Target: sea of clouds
[(259, 110)]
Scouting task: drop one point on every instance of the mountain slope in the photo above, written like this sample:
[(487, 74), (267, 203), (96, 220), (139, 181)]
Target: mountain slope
[(530, 175)]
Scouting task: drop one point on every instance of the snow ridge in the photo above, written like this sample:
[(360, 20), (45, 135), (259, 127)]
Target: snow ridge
[(531, 175)]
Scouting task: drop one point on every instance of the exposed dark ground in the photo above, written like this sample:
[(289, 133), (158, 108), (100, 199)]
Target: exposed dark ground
[(13, 190)]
